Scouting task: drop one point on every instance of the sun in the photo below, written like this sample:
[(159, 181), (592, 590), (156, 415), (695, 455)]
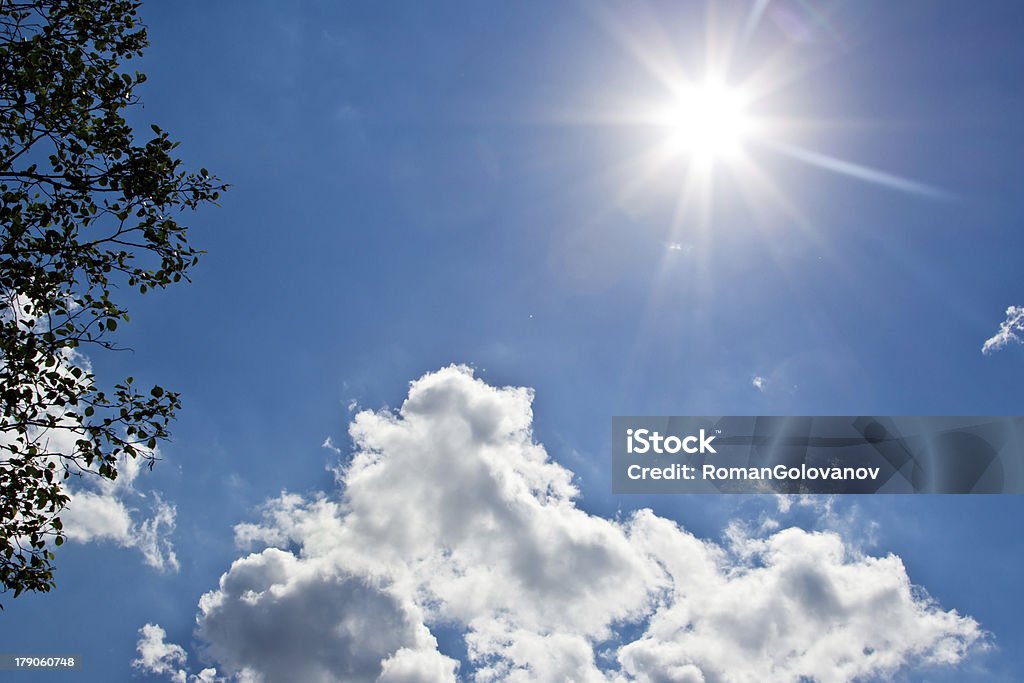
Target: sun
[(714, 124), (707, 122)]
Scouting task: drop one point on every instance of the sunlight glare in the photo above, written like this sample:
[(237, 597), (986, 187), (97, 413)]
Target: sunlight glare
[(707, 122)]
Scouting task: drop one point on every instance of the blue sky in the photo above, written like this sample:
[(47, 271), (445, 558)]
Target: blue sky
[(424, 185)]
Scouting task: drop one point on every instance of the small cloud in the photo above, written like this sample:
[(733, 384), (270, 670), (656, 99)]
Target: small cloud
[(329, 444), (1009, 331), (352, 405), (152, 538), (158, 657), (759, 383), (680, 247), (784, 502)]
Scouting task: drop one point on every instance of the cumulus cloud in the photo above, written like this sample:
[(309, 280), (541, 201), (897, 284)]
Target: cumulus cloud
[(276, 617), (1010, 330), (794, 605), (451, 515), (759, 382)]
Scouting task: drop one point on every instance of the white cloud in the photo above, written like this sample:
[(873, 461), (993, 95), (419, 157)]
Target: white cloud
[(157, 656), (99, 511), (323, 624), (95, 516), (152, 537), (450, 514), (759, 382), (792, 605), (1009, 330)]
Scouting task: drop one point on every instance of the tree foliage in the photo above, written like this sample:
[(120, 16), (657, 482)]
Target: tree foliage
[(86, 211)]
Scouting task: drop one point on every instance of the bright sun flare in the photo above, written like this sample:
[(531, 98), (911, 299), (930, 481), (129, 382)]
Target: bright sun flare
[(710, 125), (707, 122)]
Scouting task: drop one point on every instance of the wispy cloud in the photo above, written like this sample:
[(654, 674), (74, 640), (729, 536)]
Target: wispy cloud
[(103, 511), (1010, 330), (759, 383), (449, 513)]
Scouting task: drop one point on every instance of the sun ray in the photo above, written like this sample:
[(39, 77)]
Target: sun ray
[(753, 21), (650, 46), (852, 170)]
